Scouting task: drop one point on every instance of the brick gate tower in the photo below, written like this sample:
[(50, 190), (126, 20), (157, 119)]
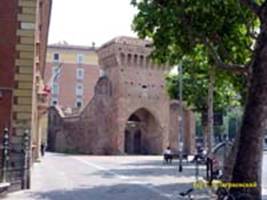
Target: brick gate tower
[(140, 99), (130, 112)]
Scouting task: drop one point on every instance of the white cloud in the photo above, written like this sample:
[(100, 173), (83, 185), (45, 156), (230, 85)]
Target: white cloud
[(81, 22)]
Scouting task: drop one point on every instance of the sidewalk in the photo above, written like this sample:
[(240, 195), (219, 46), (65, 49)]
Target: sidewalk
[(61, 177)]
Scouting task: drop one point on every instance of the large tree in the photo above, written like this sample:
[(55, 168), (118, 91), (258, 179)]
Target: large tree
[(227, 89), (233, 36), (197, 93)]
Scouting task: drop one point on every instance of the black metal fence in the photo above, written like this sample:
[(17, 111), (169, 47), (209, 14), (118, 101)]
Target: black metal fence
[(15, 160)]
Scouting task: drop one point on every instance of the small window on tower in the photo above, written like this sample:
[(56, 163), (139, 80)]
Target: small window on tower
[(54, 101), (56, 57), (79, 103), (80, 74), (80, 58), (79, 89)]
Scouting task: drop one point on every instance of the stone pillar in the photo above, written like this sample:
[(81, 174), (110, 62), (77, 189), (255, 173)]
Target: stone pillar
[(23, 107), (190, 127)]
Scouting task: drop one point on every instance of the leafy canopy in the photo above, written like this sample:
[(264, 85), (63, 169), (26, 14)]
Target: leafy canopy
[(195, 88), (201, 34), (177, 27)]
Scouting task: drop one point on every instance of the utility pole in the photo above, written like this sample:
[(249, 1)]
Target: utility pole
[(210, 136), (181, 120)]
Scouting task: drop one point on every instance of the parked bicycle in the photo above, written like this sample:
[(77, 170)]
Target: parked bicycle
[(187, 194)]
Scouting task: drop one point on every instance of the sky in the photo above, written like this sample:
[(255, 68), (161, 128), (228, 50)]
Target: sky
[(82, 22)]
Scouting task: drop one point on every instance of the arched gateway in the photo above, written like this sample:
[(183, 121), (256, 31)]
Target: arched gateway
[(144, 121), (130, 112), (142, 133)]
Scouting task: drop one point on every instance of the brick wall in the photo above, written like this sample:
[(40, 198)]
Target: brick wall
[(8, 39), (21, 42)]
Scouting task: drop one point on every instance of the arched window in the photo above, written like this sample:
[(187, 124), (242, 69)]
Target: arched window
[(129, 58), (135, 59), (141, 60), (122, 59)]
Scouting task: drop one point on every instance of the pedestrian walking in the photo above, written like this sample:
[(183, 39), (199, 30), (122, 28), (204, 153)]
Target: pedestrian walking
[(42, 149)]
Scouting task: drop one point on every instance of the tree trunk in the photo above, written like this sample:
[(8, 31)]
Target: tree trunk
[(208, 120), (229, 162), (210, 135), (249, 154), (205, 134)]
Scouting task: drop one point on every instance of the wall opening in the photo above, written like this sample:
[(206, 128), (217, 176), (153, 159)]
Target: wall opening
[(142, 134)]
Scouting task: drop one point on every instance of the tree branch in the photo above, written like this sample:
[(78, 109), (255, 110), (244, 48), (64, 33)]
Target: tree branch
[(250, 49), (235, 68), (252, 5), (251, 33)]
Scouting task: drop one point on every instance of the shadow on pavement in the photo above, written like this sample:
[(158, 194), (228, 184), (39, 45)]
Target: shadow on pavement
[(150, 170), (115, 192), (158, 163)]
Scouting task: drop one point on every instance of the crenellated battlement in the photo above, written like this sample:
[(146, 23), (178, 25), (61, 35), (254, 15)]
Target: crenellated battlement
[(127, 52)]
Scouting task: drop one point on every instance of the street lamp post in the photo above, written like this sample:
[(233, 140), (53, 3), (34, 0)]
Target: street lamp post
[(181, 123)]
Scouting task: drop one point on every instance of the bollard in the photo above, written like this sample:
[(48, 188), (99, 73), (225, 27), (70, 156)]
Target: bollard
[(26, 149), (197, 167), (209, 165), (26, 141), (5, 155)]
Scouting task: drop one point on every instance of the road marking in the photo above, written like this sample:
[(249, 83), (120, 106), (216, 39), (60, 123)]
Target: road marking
[(142, 184)]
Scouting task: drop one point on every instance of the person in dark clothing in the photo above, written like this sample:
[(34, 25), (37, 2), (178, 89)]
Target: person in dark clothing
[(200, 155), (168, 155), (42, 149)]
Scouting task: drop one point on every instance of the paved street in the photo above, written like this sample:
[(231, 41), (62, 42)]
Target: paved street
[(63, 177)]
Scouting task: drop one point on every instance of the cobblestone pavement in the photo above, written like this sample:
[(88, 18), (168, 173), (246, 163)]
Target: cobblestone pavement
[(64, 177)]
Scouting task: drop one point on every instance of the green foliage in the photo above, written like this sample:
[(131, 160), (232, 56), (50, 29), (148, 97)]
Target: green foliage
[(195, 88), (199, 130), (195, 93), (180, 30), (178, 27)]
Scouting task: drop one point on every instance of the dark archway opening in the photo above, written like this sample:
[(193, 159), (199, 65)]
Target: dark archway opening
[(142, 134)]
